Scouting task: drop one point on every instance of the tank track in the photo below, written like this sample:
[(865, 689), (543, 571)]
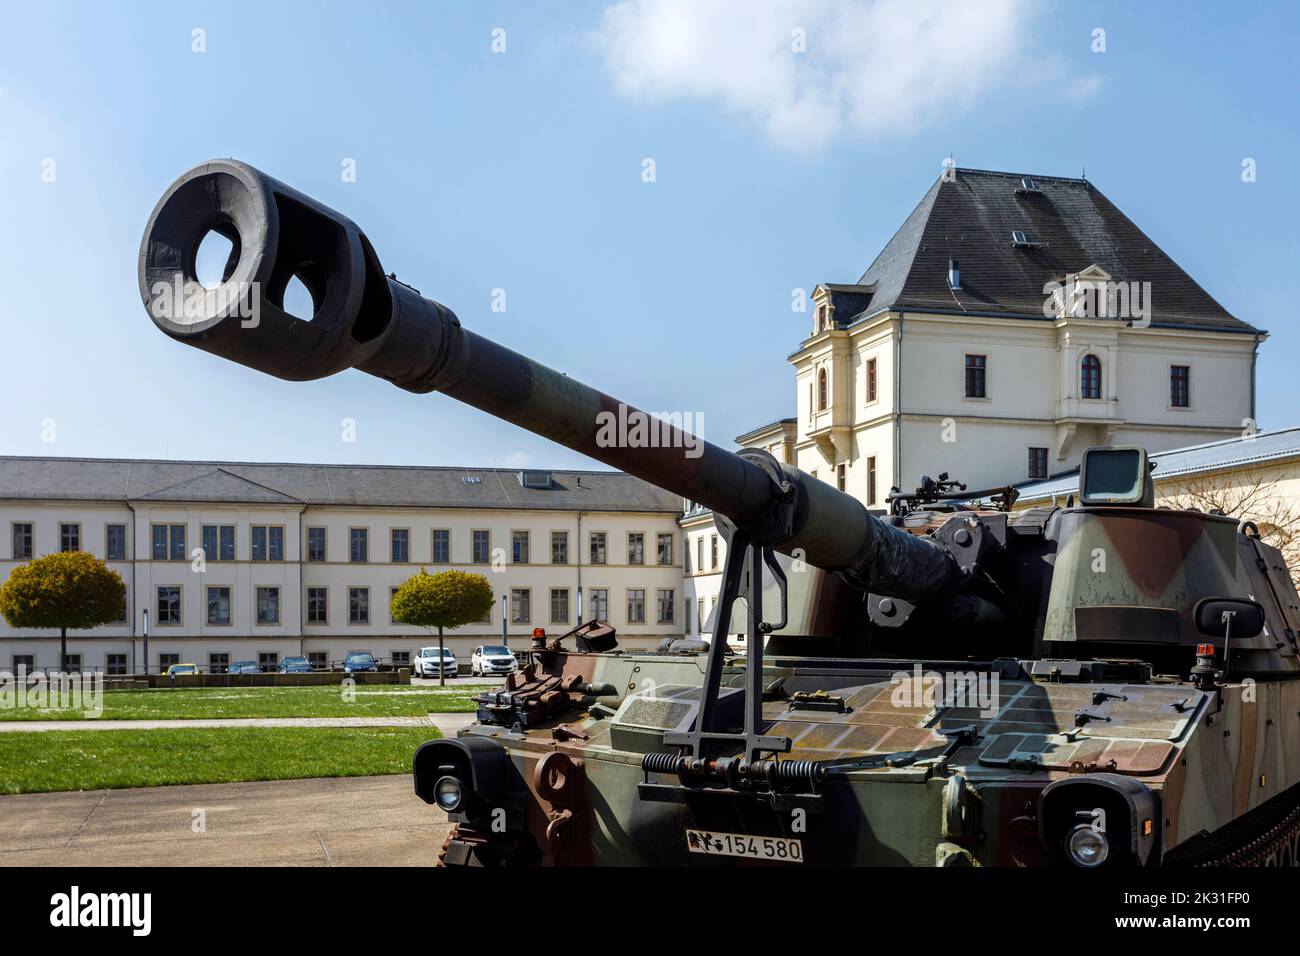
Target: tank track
[(1267, 836)]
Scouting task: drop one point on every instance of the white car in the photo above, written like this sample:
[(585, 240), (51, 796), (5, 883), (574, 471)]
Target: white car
[(429, 664), (492, 659)]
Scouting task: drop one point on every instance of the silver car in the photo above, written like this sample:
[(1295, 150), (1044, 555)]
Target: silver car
[(492, 659)]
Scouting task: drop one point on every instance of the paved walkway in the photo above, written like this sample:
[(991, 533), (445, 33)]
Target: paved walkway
[(344, 821), (448, 724)]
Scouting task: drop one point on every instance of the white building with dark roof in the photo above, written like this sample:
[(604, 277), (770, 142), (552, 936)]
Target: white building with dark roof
[(242, 561), (1011, 322)]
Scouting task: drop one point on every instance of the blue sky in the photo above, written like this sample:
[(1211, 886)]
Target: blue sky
[(522, 170)]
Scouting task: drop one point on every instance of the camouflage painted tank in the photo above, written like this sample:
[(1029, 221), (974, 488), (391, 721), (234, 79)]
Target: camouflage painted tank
[(1102, 685)]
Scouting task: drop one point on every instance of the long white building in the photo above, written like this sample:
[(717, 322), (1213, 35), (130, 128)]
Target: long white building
[(238, 561)]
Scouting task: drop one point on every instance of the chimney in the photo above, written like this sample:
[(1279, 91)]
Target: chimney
[(954, 274)]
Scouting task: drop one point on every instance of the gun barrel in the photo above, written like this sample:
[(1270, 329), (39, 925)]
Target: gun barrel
[(364, 319)]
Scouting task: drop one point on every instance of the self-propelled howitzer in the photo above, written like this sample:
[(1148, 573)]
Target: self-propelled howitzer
[(1095, 739)]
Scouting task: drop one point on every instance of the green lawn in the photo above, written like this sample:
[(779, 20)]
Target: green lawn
[(95, 759), (378, 700)]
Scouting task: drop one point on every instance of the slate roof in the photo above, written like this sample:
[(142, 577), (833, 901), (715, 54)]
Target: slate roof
[(119, 479), (1263, 447), (1071, 225)]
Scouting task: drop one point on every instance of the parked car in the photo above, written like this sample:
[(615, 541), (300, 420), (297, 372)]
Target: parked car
[(244, 667), (429, 664), (359, 661), (492, 659), (295, 665), (175, 670)]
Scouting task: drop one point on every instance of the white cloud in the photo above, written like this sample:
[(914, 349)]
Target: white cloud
[(871, 67)]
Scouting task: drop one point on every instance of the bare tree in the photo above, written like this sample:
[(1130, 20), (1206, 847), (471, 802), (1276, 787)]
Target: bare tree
[(1256, 493)]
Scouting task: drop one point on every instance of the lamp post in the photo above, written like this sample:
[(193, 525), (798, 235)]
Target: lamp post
[(146, 642), (505, 617)]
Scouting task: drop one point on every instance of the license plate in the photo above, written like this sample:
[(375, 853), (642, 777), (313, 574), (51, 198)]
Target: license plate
[(778, 849)]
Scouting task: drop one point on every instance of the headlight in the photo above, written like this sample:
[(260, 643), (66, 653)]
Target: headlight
[(1087, 846), (447, 791)]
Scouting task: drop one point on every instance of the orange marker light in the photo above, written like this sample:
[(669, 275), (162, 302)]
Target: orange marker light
[(539, 632), (1204, 650)]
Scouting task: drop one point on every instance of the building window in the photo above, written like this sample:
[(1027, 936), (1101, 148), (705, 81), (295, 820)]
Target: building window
[(1180, 382), (700, 613), (218, 605), (24, 663), (482, 547), (315, 544), (521, 610), (871, 380), (218, 663), (70, 537), (871, 479), (636, 605), (115, 664), (597, 549), (822, 391), (400, 545), (441, 546), (1037, 463), (169, 606), (392, 593), (519, 547), (664, 548), (666, 604), (318, 660), (635, 547), (1090, 377), (115, 542), (401, 658), (22, 540), (318, 605), (268, 542), (268, 605), (686, 554), (559, 547), (976, 376), (168, 542), (165, 661), (559, 605), (358, 605), (841, 476), (269, 662), (713, 552), (359, 545), (218, 542), (699, 553), (822, 312), (598, 599)]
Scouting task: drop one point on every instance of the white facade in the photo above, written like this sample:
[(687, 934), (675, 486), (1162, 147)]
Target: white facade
[(924, 422), (291, 624)]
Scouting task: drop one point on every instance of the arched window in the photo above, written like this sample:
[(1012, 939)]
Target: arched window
[(821, 390), (1090, 377)]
